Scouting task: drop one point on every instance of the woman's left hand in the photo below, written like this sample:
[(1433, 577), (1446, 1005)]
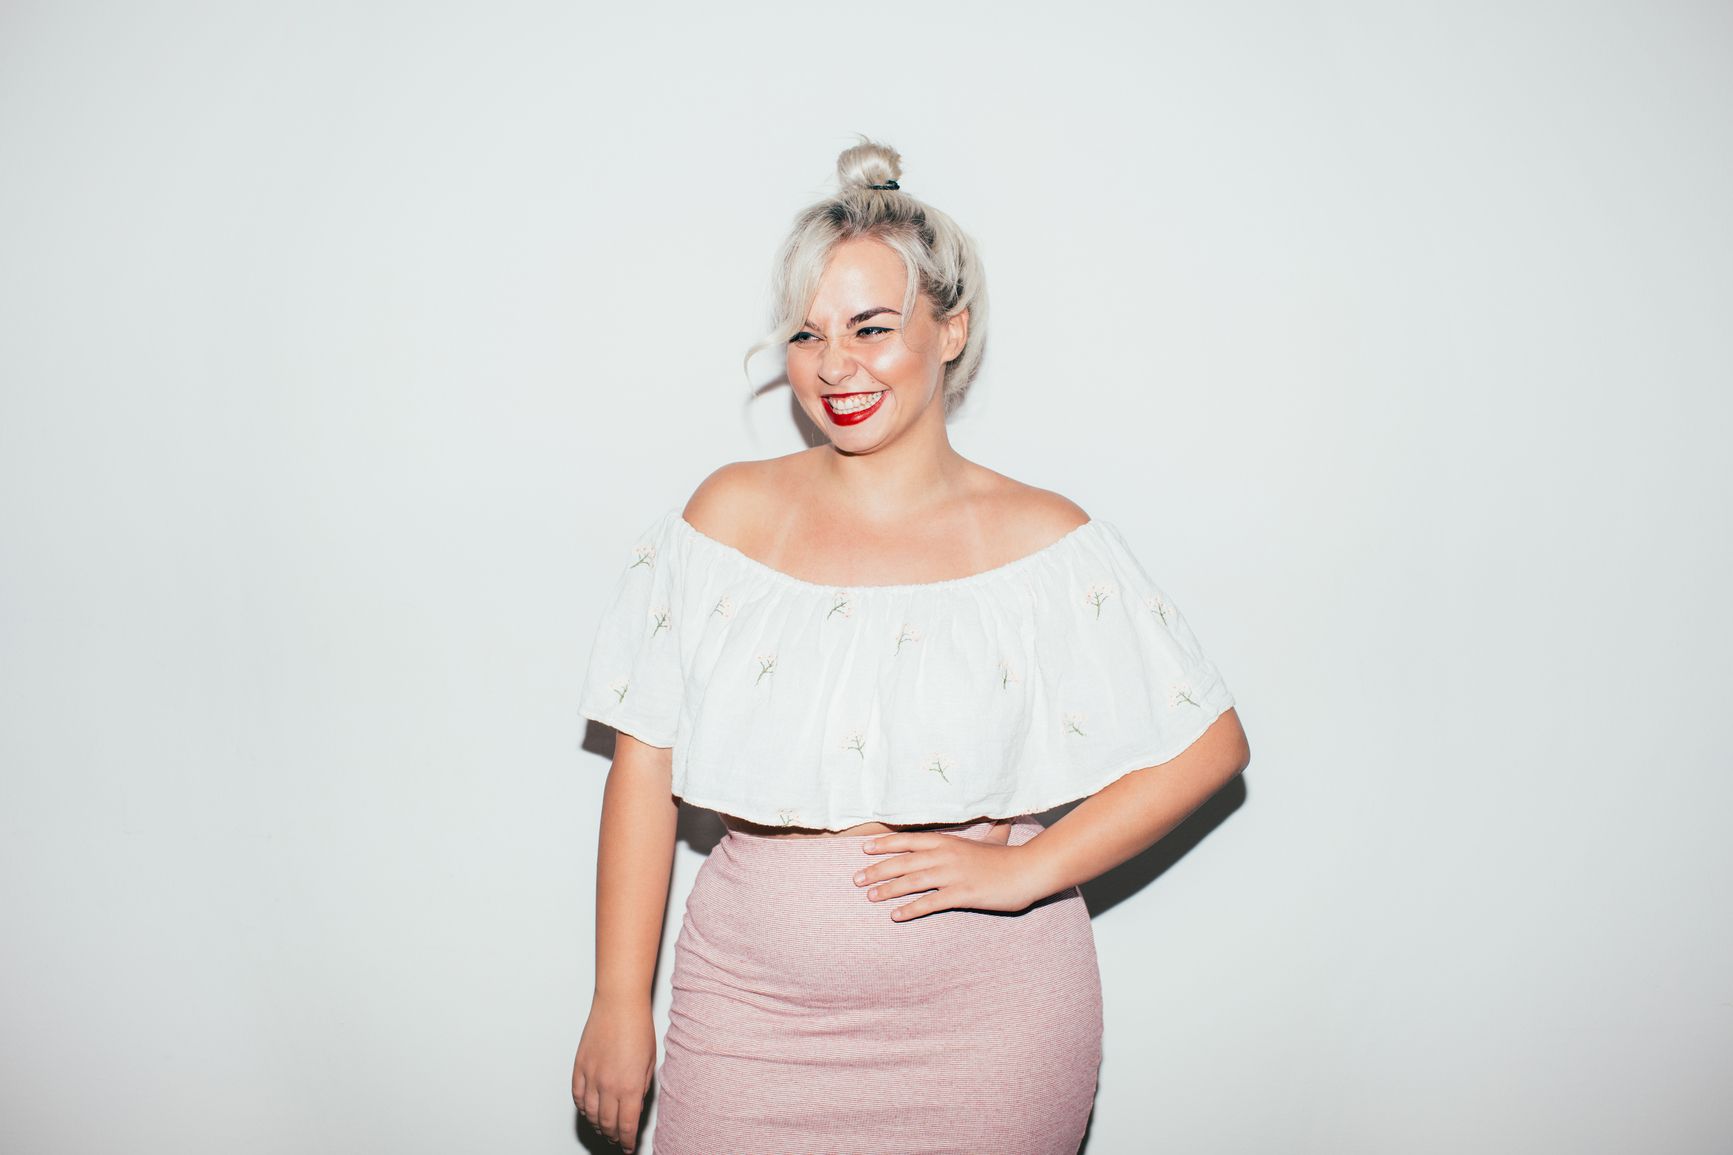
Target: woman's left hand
[(958, 872)]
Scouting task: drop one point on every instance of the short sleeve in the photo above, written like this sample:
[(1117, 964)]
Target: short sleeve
[(1123, 675), (1187, 684), (635, 679)]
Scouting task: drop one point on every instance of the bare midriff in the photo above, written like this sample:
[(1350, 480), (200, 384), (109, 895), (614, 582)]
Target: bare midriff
[(1000, 831)]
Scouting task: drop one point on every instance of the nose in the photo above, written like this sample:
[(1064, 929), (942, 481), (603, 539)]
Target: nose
[(835, 364)]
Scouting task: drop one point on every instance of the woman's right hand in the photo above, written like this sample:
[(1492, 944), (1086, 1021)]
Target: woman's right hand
[(616, 1059)]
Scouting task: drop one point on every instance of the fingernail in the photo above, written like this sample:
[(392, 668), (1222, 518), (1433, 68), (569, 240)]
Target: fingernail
[(859, 877), (869, 846)]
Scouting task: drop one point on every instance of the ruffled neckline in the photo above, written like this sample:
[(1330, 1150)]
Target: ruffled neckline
[(1093, 527)]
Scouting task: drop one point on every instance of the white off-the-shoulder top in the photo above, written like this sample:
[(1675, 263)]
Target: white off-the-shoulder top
[(1003, 693)]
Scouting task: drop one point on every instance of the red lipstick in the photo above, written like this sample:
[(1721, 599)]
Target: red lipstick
[(858, 415)]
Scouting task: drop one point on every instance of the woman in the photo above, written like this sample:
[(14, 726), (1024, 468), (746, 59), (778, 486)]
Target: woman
[(877, 660)]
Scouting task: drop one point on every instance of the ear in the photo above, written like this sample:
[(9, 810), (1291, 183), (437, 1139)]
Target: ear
[(956, 334)]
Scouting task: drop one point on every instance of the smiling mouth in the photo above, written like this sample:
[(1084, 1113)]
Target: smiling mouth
[(848, 404)]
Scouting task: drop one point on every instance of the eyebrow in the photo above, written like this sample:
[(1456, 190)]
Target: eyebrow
[(859, 317)]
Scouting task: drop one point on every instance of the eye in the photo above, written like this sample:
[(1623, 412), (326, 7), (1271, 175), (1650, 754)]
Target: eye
[(872, 329), (796, 339)]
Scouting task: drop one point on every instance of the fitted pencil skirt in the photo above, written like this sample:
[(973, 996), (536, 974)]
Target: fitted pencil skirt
[(805, 1021)]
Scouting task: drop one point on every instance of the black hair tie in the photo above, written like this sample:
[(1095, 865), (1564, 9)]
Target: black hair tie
[(887, 185)]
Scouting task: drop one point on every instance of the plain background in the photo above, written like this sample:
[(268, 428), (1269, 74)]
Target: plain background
[(343, 345)]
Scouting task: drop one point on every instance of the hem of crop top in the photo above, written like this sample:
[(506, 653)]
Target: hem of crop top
[(737, 825), (1113, 773)]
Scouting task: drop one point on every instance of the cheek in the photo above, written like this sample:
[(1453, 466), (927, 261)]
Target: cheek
[(894, 364), (803, 370)]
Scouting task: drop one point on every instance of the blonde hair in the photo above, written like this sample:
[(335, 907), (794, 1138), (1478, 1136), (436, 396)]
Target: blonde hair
[(941, 259)]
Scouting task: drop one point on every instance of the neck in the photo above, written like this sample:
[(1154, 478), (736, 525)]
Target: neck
[(915, 470)]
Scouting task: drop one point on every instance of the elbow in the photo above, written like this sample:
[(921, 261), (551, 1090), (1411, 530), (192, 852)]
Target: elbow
[(1230, 772), (1239, 757)]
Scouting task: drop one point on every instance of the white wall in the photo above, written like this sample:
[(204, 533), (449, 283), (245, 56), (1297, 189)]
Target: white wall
[(340, 344)]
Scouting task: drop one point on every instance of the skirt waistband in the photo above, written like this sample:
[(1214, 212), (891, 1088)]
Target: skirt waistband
[(964, 829)]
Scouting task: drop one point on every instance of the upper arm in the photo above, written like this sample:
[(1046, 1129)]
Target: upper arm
[(639, 758)]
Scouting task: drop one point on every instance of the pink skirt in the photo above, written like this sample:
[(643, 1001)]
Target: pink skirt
[(805, 1021)]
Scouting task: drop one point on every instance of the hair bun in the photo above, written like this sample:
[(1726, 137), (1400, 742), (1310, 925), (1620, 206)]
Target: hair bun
[(869, 164)]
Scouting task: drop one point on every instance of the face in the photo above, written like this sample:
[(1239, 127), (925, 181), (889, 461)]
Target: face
[(863, 372)]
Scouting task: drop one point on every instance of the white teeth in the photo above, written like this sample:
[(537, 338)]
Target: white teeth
[(852, 404)]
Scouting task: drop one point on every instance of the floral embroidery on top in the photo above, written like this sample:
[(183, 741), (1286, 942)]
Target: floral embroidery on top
[(1149, 688), (938, 764), (1097, 595)]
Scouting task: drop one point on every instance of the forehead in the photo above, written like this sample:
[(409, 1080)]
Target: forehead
[(858, 269)]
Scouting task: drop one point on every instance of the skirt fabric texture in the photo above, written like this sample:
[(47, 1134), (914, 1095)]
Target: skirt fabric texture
[(805, 1021)]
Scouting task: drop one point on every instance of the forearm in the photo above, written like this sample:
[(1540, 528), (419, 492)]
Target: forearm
[(634, 857), (1127, 816)]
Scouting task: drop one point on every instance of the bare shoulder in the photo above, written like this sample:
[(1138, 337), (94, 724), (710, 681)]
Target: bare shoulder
[(735, 497), (1055, 513), (1036, 517), (716, 506)]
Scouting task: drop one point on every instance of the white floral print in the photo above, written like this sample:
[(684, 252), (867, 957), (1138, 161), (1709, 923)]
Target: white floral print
[(1097, 594), (1015, 701), (938, 764)]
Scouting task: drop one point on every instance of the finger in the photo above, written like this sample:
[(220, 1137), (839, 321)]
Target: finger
[(578, 1082), (629, 1129), (901, 840), (896, 867), (609, 1123), (592, 1103), (883, 869), (926, 904), (906, 884)]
